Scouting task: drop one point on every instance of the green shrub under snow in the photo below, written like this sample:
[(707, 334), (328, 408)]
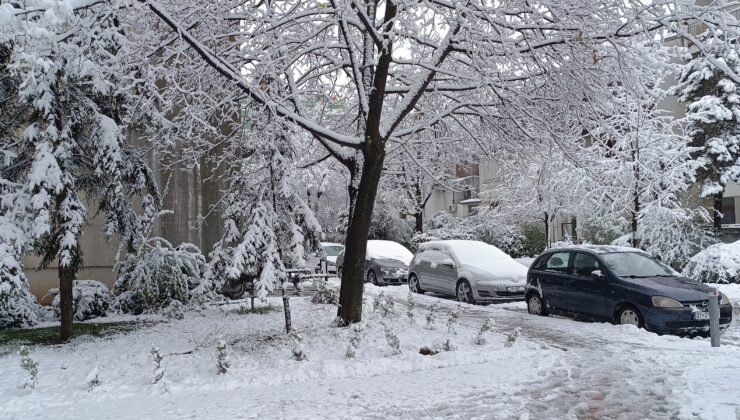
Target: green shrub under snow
[(157, 275), (91, 299), (719, 263)]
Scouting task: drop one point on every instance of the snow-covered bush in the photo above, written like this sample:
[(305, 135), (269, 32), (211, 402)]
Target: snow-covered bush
[(91, 299), (480, 337), (355, 337), (411, 306), (384, 304), (93, 378), (432, 315), (222, 358), (30, 366), (157, 275), (325, 293), (719, 263), (453, 319), (157, 357), (298, 352), (511, 339), (480, 227), (392, 339), (18, 307), (174, 310)]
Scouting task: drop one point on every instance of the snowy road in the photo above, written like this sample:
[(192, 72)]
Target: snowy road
[(558, 369)]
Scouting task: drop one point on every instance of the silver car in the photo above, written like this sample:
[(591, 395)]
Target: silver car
[(473, 271), (386, 262)]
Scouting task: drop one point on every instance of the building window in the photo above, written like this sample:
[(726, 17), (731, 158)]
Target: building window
[(728, 210)]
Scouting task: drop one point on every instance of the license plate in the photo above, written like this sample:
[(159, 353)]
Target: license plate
[(700, 316)]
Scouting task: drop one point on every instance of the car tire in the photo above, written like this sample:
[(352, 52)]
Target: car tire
[(339, 272), (372, 277), (629, 315), (465, 292), (535, 305), (414, 285)]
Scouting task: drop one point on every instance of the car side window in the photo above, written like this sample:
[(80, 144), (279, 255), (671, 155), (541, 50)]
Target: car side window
[(584, 265), (558, 261), (434, 258)]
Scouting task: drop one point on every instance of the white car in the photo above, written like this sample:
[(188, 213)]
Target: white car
[(474, 271), (332, 251)]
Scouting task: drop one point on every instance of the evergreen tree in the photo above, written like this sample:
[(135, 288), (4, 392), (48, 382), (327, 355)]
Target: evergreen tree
[(69, 144), (713, 109)]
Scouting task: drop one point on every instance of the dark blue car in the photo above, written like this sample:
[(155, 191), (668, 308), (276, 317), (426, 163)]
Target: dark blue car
[(620, 285)]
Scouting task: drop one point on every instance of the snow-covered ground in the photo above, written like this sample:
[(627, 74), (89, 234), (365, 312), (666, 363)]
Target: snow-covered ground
[(558, 368)]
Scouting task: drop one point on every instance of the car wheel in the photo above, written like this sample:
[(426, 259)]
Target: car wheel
[(372, 278), (535, 305), (414, 285), (339, 272), (629, 315), (465, 292)]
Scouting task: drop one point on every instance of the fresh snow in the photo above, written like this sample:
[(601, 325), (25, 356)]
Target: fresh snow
[(388, 249), (482, 256), (557, 368)]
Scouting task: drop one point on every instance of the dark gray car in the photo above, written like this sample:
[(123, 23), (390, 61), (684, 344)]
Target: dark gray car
[(386, 262)]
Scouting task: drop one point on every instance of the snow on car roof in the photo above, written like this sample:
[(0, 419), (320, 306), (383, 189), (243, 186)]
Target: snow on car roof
[(330, 244), (599, 249), (482, 256), (388, 249)]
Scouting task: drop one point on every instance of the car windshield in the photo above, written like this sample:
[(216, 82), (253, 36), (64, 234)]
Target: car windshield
[(634, 264), (332, 250)]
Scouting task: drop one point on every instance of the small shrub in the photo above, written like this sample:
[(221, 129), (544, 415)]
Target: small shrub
[(448, 346), (480, 338), (158, 373), (392, 340), (453, 319), (325, 293), (91, 299), (174, 310), (94, 378), (157, 275), (18, 307), (411, 307), (355, 337), (431, 316), (30, 366), (299, 353), (511, 339), (223, 363), (384, 304)]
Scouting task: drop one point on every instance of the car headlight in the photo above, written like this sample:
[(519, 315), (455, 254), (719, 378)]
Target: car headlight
[(723, 299), (515, 288), (666, 302)]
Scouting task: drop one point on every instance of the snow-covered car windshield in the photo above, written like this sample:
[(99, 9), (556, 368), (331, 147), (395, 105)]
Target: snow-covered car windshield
[(332, 250), (635, 264)]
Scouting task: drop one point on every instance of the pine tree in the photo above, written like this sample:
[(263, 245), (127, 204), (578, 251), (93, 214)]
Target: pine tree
[(70, 143), (713, 109)]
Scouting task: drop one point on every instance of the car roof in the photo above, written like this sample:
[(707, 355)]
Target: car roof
[(597, 249), (330, 244)]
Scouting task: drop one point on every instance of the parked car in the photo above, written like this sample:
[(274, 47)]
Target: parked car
[(621, 285), (386, 262), (474, 271)]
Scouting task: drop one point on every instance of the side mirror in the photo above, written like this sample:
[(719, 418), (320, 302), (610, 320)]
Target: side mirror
[(598, 275), (447, 263)]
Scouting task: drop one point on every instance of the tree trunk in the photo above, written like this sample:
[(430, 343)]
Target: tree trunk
[(547, 230), (635, 213), (353, 268), (66, 302), (286, 310), (717, 213), (419, 221)]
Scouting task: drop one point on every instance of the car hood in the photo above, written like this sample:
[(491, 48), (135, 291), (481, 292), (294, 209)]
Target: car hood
[(679, 288), (332, 260), (389, 263), (515, 277)]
